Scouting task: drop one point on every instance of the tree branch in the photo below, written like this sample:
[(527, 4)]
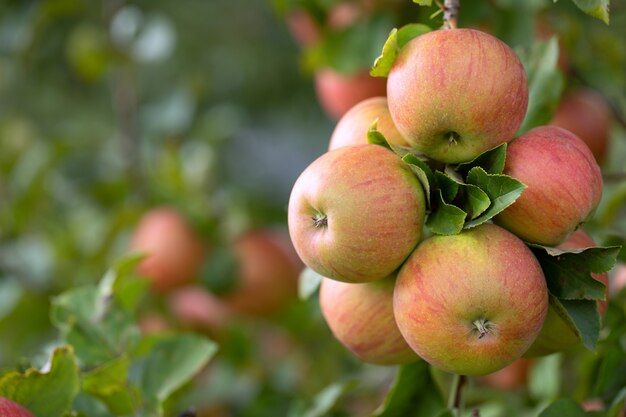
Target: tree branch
[(451, 13)]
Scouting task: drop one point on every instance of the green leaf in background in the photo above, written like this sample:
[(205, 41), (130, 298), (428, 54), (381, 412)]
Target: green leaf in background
[(544, 381), (568, 273), (423, 2), (171, 362), (545, 83), (47, 393), (502, 191), (563, 408), (445, 219), (492, 161), (220, 272), (414, 394), (396, 40), (109, 383), (581, 316), (308, 283), (423, 173), (325, 400), (121, 282), (595, 8)]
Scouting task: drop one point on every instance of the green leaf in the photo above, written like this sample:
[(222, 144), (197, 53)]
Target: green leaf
[(308, 283), (568, 273), (413, 394), (109, 383), (545, 83), (475, 201), (375, 137), (172, 361), (468, 197), (595, 8), (220, 272), (492, 161), (544, 381), (324, 401), (423, 173), (447, 185), (445, 219), (423, 2), (396, 40), (502, 191), (563, 408), (581, 316), (45, 393)]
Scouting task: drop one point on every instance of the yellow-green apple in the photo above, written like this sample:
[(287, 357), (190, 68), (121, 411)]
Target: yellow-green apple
[(353, 127), (267, 273), (564, 185), (356, 213), (175, 252), (556, 336), (454, 94), (510, 377), (338, 93), (585, 113), (361, 318), (10, 408), (471, 303)]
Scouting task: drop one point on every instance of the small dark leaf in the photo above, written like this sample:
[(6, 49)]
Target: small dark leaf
[(492, 161), (563, 408), (581, 316), (396, 40), (502, 191), (448, 186), (445, 219), (568, 273), (414, 394)]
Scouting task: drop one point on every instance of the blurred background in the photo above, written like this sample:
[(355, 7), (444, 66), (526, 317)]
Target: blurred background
[(122, 122)]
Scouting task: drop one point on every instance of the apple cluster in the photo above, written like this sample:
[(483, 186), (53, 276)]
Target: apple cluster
[(473, 300)]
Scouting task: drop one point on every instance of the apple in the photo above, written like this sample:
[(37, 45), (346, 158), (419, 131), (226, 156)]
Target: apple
[(338, 93), (267, 275), (353, 127), (564, 185), (303, 27), (356, 213), (619, 279), (153, 323), (174, 251), (361, 318), (471, 303), (585, 113), (9, 408), (196, 307), (456, 93), (555, 335), (510, 377)]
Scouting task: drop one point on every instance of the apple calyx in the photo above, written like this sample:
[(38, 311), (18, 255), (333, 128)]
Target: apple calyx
[(483, 326), (453, 137), (320, 220)]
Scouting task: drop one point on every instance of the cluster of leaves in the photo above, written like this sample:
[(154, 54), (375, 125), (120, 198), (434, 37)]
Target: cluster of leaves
[(104, 362)]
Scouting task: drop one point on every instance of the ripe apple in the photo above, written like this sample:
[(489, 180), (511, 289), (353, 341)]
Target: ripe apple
[(353, 127), (303, 27), (555, 335), (564, 185), (456, 93), (471, 303), (585, 113), (196, 307), (9, 408), (153, 323), (361, 318), (338, 93), (267, 276), (619, 280), (510, 377), (174, 251), (356, 213)]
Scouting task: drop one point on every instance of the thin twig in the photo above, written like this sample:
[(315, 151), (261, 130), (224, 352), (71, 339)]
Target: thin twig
[(451, 13)]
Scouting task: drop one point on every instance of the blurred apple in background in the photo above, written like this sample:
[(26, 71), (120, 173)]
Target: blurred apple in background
[(303, 27), (195, 307), (511, 377), (174, 252)]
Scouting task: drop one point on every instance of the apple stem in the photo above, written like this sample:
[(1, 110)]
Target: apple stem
[(455, 399), (451, 13), (320, 220)]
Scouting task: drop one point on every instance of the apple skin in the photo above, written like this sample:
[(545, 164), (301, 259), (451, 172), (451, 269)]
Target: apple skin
[(196, 307), (338, 93), (267, 274), (9, 408), (174, 251), (461, 84), (361, 318), (453, 284), (510, 377), (303, 27), (585, 113), (564, 185), (353, 127), (619, 280), (556, 336), (356, 213)]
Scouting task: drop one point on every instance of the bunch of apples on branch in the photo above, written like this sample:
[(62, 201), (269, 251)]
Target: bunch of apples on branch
[(443, 231)]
